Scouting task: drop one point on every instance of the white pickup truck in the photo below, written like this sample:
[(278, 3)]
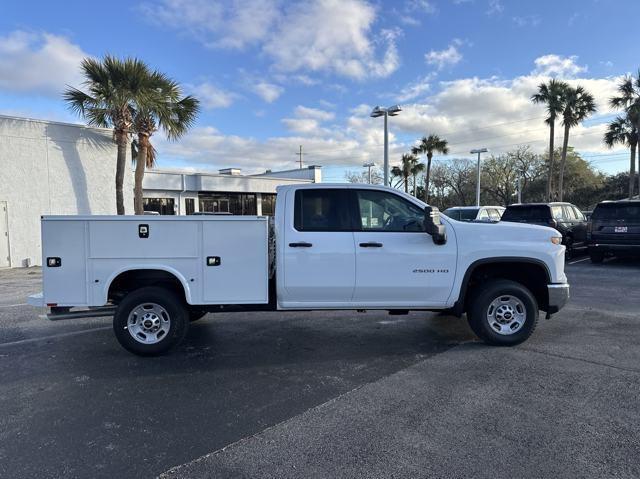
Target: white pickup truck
[(347, 247)]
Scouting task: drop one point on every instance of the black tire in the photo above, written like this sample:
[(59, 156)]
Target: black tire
[(175, 327), (196, 314), (478, 311), (570, 251), (596, 257)]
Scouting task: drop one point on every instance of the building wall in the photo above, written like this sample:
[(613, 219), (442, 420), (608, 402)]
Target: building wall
[(54, 168)]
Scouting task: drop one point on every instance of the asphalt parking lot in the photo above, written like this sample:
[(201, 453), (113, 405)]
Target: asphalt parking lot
[(327, 394)]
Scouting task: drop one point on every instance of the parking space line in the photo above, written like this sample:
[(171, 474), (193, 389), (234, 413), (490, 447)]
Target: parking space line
[(13, 305), (578, 261), (54, 336)]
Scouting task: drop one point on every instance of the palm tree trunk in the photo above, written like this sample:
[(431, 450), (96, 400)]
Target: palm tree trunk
[(632, 170), (414, 184), (141, 160), (121, 163), (426, 178), (406, 184), (550, 173), (563, 160)]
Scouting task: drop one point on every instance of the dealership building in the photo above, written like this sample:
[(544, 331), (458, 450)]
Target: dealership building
[(53, 168)]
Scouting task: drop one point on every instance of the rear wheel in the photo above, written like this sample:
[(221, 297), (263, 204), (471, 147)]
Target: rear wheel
[(150, 321), (503, 313), (596, 256)]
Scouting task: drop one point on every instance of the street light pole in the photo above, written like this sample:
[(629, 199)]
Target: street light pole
[(386, 112), (478, 151), (369, 165)]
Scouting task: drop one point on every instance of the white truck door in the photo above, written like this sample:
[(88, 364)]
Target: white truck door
[(397, 263), (318, 249)]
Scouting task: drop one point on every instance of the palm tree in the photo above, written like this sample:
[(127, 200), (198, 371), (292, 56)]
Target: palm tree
[(551, 94), (111, 86), (416, 169), (623, 131), (161, 107), (629, 100), (578, 105), (405, 169), (429, 145)]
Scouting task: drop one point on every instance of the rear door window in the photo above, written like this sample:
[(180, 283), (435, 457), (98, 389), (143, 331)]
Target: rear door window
[(569, 214), (322, 210), (483, 216)]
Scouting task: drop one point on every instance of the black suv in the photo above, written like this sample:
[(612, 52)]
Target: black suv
[(614, 229), (564, 217)]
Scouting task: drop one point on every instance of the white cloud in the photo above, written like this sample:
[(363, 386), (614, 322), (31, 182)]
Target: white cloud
[(41, 63), (557, 65), (469, 112), (495, 7), (269, 92), (234, 25), (415, 90), (334, 36), (211, 96), (444, 58), (314, 113), (527, 20)]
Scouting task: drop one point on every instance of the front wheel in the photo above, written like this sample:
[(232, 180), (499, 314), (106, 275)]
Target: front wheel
[(503, 313), (150, 321)]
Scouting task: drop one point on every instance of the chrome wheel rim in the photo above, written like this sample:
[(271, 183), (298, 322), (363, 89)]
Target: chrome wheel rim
[(148, 323), (506, 315)]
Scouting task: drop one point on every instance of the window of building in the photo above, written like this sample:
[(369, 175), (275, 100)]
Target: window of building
[(163, 206), (268, 204), (321, 210), (382, 211), (233, 203), (189, 206)]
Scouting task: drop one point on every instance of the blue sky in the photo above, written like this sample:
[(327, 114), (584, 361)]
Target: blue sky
[(273, 75)]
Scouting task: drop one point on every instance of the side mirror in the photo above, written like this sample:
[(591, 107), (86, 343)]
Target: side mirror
[(433, 226)]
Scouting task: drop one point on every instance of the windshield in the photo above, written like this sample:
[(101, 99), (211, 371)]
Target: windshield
[(628, 212)]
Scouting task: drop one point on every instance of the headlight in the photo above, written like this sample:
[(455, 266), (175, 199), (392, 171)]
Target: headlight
[(556, 239)]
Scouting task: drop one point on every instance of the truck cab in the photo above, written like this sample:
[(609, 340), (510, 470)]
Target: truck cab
[(343, 246)]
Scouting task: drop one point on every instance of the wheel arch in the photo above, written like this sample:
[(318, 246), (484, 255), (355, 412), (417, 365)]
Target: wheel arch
[(530, 272), (134, 277)]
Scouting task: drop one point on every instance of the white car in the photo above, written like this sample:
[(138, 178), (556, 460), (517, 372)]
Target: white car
[(340, 247), (475, 213)]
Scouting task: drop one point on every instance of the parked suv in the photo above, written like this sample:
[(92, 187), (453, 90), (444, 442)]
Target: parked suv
[(614, 229), (475, 213), (564, 217)]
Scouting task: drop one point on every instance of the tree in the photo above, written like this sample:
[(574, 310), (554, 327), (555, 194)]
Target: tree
[(551, 94), (429, 145), (416, 169), (623, 131), (363, 176), (161, 106), (112, 87), (629, 100), (578, 105), (406, 168)]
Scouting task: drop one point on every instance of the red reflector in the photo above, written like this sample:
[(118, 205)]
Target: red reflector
[(49, 305)]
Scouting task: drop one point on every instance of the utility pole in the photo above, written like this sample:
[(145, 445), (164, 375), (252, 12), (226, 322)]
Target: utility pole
[(386, 112), (300, 156), (519, 190)]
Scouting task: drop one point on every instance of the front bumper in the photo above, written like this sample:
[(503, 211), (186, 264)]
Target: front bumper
[(558, 296)]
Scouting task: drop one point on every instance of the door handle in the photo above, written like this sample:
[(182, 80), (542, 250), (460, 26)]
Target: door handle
[(371, 244), (301, 244)]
